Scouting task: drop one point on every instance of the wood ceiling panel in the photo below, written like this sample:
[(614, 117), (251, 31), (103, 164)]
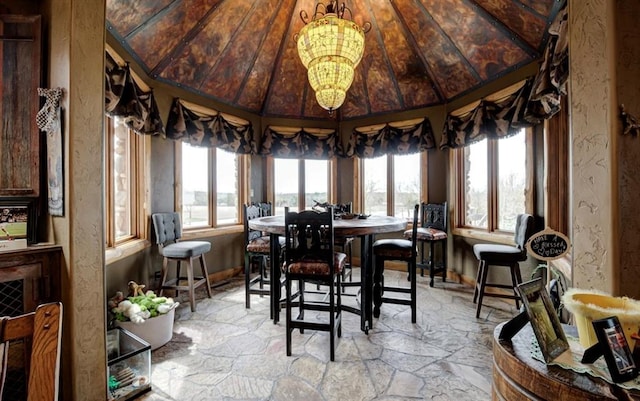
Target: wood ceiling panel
[(202, 53), (411, 77), (530, 26), (177, 26), (243, 53), (127, 15), (488, 50)]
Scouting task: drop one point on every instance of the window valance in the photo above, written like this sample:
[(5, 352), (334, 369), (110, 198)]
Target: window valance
[(493, 117), (301, 143), (551, 81), (124, 98), (393, 138), (537, 99), (209, 128)]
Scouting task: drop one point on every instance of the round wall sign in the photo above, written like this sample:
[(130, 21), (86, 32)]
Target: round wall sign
[(548, 245)]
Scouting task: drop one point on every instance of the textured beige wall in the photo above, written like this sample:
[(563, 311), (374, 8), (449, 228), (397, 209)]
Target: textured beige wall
[(76, 63), (604, 56), (592, 99), (628, 89)]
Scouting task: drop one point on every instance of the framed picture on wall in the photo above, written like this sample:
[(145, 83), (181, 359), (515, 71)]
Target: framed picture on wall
[(544, 321), (17, 219)]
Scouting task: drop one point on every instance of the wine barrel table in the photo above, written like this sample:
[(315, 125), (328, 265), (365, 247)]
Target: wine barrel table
[(517, 376)]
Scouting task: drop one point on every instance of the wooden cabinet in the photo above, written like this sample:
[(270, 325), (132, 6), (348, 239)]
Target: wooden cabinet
[(29, 277), (20, 66)]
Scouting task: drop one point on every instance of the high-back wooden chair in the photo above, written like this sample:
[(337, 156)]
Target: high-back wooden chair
[(310, 256), (256, 252), (40, 333), (432, 231)]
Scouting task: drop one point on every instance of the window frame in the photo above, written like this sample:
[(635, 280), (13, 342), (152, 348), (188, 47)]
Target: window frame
[(458, 187), (138, 186), (424, 181), (243, 165), (332, 181)]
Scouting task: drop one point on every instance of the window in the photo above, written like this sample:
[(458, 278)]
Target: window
[(124, 187), (299, 184), (391, 184), (492, 182), (211, 181)]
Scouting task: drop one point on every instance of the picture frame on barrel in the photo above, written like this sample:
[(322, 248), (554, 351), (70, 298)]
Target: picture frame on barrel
[(544, 321), (612, 343)]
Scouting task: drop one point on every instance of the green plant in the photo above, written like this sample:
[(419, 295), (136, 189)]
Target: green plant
[(138, 308)]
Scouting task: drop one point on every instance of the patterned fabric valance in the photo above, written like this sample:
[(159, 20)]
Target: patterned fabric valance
[(489, 119), (392, 139), (124, 98), (210, 130), (538, 99), (301, 144), (551, 81)]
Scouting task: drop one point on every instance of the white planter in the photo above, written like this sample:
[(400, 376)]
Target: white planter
[(157, 331)]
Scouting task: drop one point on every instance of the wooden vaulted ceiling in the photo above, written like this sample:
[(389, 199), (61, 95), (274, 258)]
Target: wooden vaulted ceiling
[(419, 53)]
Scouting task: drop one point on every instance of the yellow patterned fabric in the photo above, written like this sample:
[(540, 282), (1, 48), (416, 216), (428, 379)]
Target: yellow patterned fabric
[(318, 267), (427, 234)]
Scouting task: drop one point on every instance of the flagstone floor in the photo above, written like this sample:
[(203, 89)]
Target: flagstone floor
[(226, 352)]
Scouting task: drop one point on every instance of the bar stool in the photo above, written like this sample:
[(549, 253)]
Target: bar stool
[(432, 231), (502, 255), (257, 251), (168, 232), (400, 250)]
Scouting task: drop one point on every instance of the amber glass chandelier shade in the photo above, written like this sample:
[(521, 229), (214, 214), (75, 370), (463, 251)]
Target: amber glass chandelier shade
[(330, 48)]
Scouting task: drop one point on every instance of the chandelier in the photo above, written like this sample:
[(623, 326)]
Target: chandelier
[(330, 47)]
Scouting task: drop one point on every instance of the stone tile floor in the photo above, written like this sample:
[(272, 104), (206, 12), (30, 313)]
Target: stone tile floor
[(226, 352)]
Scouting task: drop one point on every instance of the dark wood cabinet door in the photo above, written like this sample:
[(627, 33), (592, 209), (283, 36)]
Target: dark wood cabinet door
[(20, 69)]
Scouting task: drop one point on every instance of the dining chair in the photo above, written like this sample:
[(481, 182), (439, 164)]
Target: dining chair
[(396, 250), (432, 231), (168, 230), (257, 252), (39, 335), (310, 257), (502, 255)]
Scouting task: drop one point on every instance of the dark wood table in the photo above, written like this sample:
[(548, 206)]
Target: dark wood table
[(517, 376), (365, 229)]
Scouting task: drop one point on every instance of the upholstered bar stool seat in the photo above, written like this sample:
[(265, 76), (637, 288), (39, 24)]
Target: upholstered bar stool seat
[(392, 248), (168, 232), (189, 249), (498, 253), (318, 266), (260, 245)]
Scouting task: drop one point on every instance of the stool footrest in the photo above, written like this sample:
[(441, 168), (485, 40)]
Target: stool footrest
[(497, 295), (173, 284), (506, 286), (396, 301)]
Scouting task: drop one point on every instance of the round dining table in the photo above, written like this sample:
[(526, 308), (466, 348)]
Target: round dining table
[(364, 228)]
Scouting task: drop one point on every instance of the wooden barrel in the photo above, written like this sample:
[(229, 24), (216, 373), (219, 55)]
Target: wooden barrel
[(517, 376)]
